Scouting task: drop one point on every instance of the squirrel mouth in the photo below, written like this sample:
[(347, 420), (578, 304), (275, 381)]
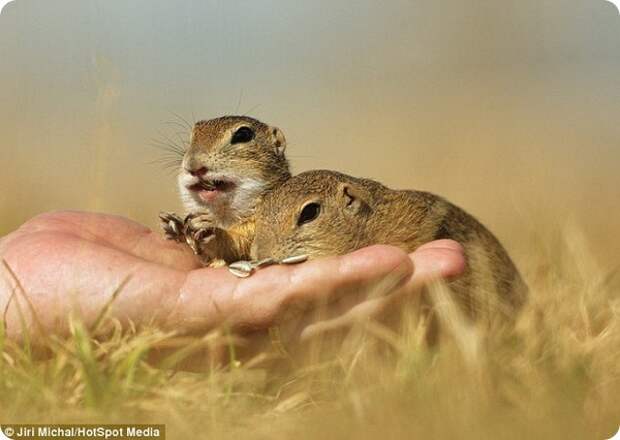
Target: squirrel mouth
[(209, 189)]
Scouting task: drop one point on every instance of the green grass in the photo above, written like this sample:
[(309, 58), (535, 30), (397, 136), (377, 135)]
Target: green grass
[(555, 375)]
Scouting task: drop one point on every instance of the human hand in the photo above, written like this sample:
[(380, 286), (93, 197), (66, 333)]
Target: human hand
[(65, 263)]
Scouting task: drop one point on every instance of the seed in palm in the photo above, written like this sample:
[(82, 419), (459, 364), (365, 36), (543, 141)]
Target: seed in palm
[(241, 269), (294, 260)]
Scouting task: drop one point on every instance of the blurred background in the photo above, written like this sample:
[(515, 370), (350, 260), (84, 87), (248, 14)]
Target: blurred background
[(510, 109)]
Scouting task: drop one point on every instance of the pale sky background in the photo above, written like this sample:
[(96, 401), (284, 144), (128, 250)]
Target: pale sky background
[(508, 108)]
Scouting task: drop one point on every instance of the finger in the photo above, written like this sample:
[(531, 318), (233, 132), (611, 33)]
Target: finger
[(439, 259), (442, 244), (348, 279), (263, 298), (442, 259), (272, 292)]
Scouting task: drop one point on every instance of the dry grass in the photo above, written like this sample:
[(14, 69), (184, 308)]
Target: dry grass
[(557, 375)]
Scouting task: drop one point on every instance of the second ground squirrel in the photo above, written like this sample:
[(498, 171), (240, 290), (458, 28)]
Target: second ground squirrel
[(321, 213)]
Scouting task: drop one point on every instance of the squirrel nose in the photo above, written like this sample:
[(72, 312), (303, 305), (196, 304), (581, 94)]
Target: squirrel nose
[(198, 172)]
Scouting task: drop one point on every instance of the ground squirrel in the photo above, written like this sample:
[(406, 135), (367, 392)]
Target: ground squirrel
[(322, 213), (231, 162)]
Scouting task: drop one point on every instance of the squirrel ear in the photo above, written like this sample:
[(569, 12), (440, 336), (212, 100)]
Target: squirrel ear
[(279, 141), (354, 199)]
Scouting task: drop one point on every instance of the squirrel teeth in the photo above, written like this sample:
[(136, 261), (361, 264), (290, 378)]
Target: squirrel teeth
[(208, 186)]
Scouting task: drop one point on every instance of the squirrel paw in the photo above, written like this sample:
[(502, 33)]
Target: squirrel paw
[(173, 226), (199, 229), (199, 221)]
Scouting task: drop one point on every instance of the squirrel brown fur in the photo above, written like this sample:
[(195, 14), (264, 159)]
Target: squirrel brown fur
[(320, 213)]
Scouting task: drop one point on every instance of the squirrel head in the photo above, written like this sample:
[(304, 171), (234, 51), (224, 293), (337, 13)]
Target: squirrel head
[(231, 161), (316, 213)]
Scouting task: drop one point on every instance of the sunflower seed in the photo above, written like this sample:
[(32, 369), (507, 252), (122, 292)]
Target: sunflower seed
[(242, 265), (239, 273), (264, 262), (294, 260), (241, 269)]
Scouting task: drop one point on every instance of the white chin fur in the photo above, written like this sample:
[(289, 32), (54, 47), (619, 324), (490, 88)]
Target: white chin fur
[(229, 207)]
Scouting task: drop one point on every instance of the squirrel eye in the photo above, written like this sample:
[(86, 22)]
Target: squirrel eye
[(242, 135), (309, 213)]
